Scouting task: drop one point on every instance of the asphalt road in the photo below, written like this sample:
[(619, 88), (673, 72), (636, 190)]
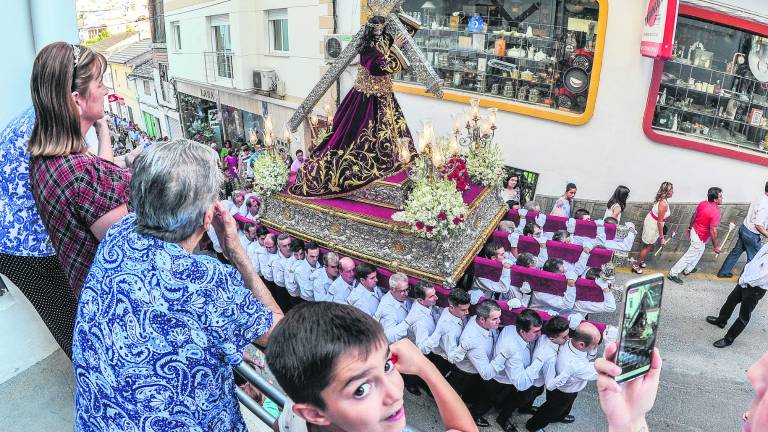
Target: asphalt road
[(702, 388)]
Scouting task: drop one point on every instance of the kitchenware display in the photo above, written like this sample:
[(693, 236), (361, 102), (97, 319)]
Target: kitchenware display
[(576, 80)]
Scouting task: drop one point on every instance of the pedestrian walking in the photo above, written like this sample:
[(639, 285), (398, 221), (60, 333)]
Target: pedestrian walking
[(617, 203), (702, 228), (748, 239), (654, 225)]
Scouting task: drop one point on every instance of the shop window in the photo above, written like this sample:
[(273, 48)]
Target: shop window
[(278, 30), (535, 57), (713, 94)]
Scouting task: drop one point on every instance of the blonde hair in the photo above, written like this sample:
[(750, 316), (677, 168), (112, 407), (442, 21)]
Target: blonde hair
[(59, 70), (663, 191)]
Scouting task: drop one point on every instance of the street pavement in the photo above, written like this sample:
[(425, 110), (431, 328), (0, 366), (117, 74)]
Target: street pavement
[(702, 388)]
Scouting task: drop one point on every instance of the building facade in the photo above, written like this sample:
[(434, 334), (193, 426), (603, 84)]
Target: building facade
[(121, 64), (235, 62)]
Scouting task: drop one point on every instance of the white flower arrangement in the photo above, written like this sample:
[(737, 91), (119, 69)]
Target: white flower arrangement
[(434, 208), (485, 165), (270, 174)]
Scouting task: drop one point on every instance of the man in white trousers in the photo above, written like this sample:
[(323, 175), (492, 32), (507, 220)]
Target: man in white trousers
[(702, 228)]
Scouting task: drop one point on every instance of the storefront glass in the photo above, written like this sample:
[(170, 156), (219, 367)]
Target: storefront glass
[(232, 121), (715, 88), (539, 53), (200, 119)]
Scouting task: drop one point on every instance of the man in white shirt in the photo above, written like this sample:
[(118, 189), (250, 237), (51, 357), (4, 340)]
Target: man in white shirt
[(755, 224), (278, 262), (548, 301), (324, 277), (394, 307), (574, 371), (445, 339), (298, 250), (339, 290), (479, 364), (366, 294), (483, 287), (265, 263), (516, 382), (303, 271), (422, 325), (748, 291), (256, 248)]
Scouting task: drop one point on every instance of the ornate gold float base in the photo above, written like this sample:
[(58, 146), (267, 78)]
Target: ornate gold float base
[(386, 243)]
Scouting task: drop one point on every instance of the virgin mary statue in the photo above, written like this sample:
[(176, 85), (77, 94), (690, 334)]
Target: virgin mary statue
[(363, 143)]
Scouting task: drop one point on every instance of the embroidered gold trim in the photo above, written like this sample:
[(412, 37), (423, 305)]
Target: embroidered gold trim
[(372, 85)]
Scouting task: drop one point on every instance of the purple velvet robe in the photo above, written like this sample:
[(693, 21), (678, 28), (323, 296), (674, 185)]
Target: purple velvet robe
[(363, 144)]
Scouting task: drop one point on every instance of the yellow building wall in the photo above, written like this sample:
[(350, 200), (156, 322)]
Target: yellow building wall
[(170, 5), (127, 89)]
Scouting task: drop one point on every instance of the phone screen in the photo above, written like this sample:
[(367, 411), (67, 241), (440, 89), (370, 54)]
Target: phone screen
[(639, 326)]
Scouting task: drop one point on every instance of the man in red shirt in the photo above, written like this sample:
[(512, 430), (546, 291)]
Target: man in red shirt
[(703, 227)]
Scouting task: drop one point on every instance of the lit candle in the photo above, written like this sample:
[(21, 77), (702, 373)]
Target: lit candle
[(287, 135), (437, 158), (486, 128), (457, 125), (492, 116), (453, 146), (467, 117)]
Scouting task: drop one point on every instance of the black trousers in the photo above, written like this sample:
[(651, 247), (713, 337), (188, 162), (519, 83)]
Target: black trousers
[(44, 283), (748, 297), (467, 385), (514, 399), (557, 406), (443, 365)]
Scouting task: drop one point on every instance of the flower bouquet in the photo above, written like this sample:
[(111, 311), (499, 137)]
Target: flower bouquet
[(485, 164), (434, 209), (270, 174), (456, 169)]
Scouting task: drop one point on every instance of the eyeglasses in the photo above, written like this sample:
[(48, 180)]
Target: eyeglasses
[(76, 56), (333, 266)]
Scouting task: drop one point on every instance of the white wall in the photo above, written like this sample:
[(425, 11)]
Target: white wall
[(611, 149)]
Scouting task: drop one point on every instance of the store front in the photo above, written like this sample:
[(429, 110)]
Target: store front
[(532, 57), (200, 119), (712, 95)]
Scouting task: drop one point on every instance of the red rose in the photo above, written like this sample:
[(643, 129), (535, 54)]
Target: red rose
[(456, 221), (442, 216), (429, 228)]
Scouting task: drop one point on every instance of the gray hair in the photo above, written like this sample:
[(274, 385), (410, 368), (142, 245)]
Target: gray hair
[(531, 205), (283, 236), (485, 307), (397, 279), (331, 258), (172, 187)]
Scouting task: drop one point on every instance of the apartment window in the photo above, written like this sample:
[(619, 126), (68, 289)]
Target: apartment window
[(147, 87), (278, 30), (222, 45), (176, 35)]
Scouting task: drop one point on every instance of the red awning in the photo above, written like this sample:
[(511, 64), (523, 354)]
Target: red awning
[(114, 97)]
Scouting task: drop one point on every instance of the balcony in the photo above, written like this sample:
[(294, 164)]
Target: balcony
[(218, 68)]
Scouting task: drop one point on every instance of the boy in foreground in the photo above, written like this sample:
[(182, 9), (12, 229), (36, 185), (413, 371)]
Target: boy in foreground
[(336, 365)]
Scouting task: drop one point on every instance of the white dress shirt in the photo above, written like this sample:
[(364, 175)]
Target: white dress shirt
[(290, 276), (574, 370), (265, 264), (624, 245), (366, 301), (755, 273), (320, 284), (338, 291), (253, 253), (586, 307), (445, 339), (422, 325), (757, 214), (304, 275), (478, 343), (214, 239), (518, 370), (244, 240), (391, 315), (546, 354), (482, 287), (278, 268), (546, 301)]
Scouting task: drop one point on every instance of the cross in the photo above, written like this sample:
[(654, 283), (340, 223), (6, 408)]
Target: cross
[(425, 73)]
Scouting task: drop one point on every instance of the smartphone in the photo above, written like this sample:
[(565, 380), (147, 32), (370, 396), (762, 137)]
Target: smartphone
[(639, 326)]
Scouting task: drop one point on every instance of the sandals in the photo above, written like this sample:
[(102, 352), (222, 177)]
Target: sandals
[(637, 268)]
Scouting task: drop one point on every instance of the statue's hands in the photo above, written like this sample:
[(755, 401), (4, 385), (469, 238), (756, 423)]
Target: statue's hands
[(399, 40)]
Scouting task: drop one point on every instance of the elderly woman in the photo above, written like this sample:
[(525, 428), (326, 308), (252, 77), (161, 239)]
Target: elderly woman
[(158, 327)]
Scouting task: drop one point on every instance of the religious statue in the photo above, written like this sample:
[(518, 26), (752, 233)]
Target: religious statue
[(362, 145)]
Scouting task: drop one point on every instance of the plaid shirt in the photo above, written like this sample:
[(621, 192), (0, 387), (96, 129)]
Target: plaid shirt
[(72, 193)]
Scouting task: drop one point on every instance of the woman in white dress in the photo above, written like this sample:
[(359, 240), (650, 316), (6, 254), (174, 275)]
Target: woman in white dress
[(653, 226), (617, 203)]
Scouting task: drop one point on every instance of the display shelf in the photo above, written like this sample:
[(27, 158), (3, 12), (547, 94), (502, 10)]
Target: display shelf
[(712, 115)]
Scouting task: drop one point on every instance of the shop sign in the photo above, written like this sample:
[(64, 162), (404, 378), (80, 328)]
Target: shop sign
[(659, 25), (207, 94)]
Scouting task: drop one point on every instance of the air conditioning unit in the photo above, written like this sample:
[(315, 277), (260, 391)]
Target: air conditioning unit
[(335, 44), (264, 79)]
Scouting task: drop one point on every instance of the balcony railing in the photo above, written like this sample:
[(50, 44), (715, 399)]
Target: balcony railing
[(218, 68)]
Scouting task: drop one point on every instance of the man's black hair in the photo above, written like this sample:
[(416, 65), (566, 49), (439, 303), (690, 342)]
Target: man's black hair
[(306, 345), (580, 213), (363, 270), (419, 291), (526, 259), (713, 193), (554, 326), (529, 228), (458, 297), (527, 320), (611, 220), (560, 235), (262, 231), (297, 245), (592, 273), (312, 245), (490, 249), (552, 265), (570, 186)]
